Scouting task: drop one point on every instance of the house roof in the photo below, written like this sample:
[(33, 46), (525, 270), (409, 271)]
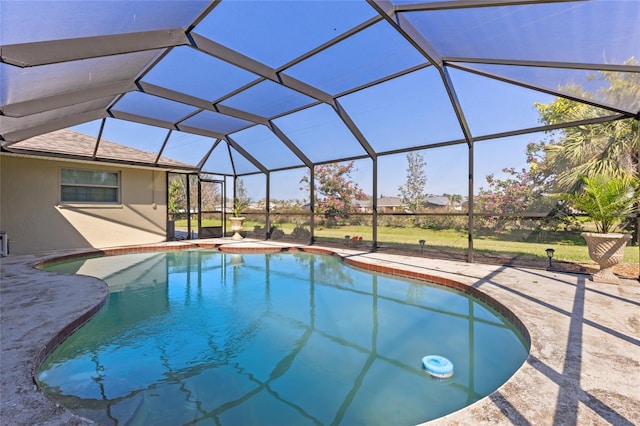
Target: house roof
[(438, 200), (389, 202), (69, 144)]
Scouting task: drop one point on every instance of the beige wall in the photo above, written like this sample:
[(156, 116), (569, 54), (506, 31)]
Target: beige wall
[(35, 220)]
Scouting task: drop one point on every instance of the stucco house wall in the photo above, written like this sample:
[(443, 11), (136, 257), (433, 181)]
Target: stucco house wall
[(35, 219)]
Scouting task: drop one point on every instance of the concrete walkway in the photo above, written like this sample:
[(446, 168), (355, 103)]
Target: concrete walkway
[(583, 369)]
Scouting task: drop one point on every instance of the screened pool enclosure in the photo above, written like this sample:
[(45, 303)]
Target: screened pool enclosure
[(255, 99)]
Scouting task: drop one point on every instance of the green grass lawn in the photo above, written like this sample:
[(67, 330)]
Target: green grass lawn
[(568, 246)]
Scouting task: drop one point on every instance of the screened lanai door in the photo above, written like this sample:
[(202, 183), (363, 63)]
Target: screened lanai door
[(211, 208)]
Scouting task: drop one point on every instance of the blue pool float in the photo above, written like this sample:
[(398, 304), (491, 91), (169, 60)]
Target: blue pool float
[(437, 366)]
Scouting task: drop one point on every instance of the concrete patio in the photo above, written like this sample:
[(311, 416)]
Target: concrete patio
[(583, 367)]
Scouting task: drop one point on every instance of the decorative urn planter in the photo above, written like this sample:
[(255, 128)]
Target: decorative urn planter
[(236, 227), (607, 250)]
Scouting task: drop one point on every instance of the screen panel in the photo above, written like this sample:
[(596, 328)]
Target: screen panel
[(374, 53), (186, 148), (320, 134), (492, 106), (268, 99), (219, 162), (615, 88), (216, 122), (276, 32), (147, 140), (408, 111), (48, 80), (152, 106), (265, 147), (32, 21), (195, 73), (538, 32)]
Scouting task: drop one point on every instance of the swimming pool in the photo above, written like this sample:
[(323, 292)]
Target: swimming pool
[(197, 337)]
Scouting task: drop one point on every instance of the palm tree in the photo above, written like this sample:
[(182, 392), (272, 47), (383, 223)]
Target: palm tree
[(607, 148), (607, 201)]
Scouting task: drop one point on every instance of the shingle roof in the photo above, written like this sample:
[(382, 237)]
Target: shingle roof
[(78, 145), (438, 200), (389, 202)]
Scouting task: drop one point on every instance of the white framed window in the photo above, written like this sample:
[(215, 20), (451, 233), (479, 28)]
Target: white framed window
[(89, 186)]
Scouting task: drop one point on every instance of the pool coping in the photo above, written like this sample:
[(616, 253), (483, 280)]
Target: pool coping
[(583, 366)]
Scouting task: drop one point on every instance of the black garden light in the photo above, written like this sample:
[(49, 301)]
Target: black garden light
[(550, 253)]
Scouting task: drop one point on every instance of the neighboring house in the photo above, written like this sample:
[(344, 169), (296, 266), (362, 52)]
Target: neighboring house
[(76, 201), (441, 202), (432, 202), (362, 206), (394, 204), (437, 202), (390, 205)]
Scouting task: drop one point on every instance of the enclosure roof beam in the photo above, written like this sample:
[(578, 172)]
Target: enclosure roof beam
[(164, 144), (243, 115), (455, 102), (222, 52), (544, 64), (200, 103), (464, 4), (404, 27), (52, 125), (335, 40), (233, 164), (99, 138), (246, 155), (541, 89), (141, 119), (173, 95), (293, 147), (346, 119), (208, 154), (547, 128), (387, 10), (201, 132), (34, 106), (409, 70), (518, 132), (75, 49)]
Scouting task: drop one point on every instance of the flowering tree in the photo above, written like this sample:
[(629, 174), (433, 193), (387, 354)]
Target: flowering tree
[(335, 191), (523, 191)]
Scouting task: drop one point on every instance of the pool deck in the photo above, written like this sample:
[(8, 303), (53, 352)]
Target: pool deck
[(583, 367)]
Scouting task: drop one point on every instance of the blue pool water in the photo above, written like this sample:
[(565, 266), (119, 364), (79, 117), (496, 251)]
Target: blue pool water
[(204, 337)]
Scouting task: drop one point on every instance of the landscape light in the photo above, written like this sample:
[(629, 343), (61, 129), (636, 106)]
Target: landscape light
[(550, 252)]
